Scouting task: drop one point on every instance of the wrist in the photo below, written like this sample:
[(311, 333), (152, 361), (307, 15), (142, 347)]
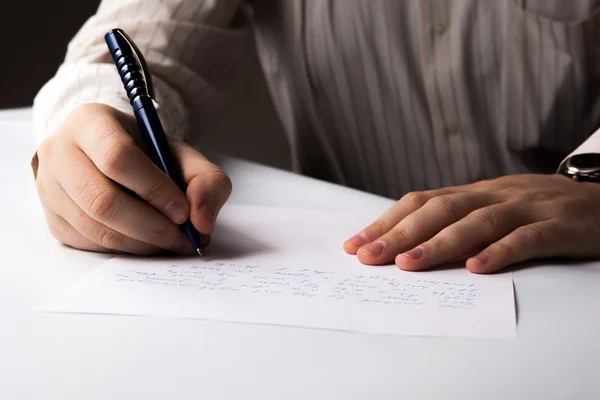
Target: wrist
[(582, 167)]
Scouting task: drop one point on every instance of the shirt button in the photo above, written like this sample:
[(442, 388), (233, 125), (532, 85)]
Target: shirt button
[(452, 129), (440, 28)]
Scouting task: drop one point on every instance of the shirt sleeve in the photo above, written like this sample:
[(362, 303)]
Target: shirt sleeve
[(192, 48), (590, 146)]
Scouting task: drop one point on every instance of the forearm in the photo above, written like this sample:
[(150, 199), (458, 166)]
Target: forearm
[(192, 48)]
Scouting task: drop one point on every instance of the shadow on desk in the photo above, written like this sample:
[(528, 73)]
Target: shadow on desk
[(229, 242)]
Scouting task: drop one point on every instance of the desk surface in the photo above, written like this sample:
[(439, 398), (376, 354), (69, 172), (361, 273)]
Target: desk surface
[(44, 356)]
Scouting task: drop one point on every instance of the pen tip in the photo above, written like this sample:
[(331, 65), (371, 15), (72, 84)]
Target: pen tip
[(199, 252)]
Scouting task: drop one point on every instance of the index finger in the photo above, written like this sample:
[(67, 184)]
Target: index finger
[(408, 204)]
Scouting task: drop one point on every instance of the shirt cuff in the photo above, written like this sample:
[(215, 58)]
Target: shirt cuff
[(78, 84), (590, 146)]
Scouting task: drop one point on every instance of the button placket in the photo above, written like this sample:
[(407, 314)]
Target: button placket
[(452, 129), (439, 28)]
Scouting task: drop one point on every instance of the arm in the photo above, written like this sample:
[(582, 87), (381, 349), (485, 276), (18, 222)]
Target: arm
[(192, 49), (89, 160)]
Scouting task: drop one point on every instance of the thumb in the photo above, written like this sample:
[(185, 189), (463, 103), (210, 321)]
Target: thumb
[(208, 187)]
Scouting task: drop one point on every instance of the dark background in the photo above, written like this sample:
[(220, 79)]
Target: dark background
[(35, 35)]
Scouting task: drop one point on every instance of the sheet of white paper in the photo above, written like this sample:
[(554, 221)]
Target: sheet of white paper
[(287, 267)]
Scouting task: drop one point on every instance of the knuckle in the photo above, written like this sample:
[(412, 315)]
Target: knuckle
[(116, 157), (505, 249), (98, 119), (447, 238), (102, 115), (414, 199), (109, 238), (155, 193), (543, 195), (486, 217), (159, 233), (223, 180), (511, 192), (102, 204), (441, 243), (377, 228), (45, 149), (444, 204), (57, 231), (484, 183), (535, 235), (400, 235)]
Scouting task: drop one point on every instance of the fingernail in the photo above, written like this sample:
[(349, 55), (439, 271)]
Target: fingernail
[(204, 241), (415, 253), (375, 249), (482, 258), (176, 211), (359, 239), (207, 212)]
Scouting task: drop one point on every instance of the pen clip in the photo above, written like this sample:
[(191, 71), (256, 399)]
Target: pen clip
[(141, 61)]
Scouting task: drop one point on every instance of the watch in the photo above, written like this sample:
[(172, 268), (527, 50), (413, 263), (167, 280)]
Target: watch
[(582, 167)]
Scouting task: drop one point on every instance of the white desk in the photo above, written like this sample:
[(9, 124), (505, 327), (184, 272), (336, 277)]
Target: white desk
[(43, 356)]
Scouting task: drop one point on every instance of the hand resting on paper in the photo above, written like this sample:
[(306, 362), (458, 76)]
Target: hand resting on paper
[(85, 168), (501, 222)]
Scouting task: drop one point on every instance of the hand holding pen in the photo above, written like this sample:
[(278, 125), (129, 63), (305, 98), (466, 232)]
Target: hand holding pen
[(101, 192)]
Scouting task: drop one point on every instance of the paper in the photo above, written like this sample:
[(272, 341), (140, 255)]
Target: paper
[(286, 267)]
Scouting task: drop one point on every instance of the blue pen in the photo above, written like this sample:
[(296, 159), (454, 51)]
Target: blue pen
[(137, 81)]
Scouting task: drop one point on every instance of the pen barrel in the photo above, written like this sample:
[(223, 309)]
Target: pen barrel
[(154, 135), (127, 65), (137, 81)]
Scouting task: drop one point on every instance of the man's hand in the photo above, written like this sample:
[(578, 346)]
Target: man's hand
[(498, 222), (84, 168)]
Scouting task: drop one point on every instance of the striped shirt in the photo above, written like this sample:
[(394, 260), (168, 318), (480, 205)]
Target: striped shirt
[(387, 96)]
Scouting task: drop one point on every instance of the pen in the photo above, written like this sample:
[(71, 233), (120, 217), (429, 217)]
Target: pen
[(137, 81)]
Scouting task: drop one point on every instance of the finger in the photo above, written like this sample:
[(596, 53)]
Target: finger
[(537, 240), (56, 202), (408, 204), (438, 213), (116, 155), (473, 232), (208, 186), (66, 234), (105, 202)]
